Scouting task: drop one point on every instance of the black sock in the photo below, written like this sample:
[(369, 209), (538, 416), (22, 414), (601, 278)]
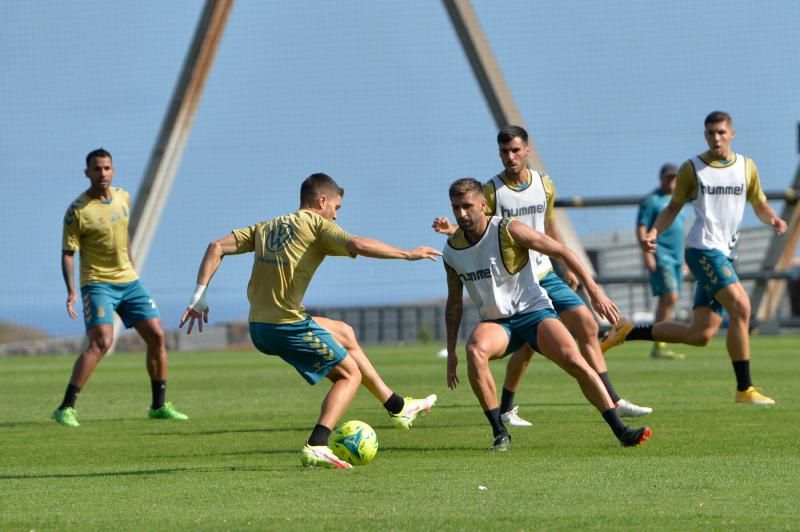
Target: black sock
[(612, 418), (742, 370), (159, 389), (320, 435), (641, 332), (394, 404), (609, 387), (70, 396), (493, 416), (506, 400)]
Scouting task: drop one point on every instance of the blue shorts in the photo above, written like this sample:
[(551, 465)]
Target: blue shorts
[(667, 278), (131, 301), (522, 328), (713, 271), (562, 296), (304, 345)]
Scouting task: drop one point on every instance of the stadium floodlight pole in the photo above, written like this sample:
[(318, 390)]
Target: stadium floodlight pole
[(166, 155), (766, 295), (501, 103)]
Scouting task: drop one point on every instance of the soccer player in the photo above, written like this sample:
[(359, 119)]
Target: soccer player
[(96, 224), (666, 264), (490, 255), (717, 183), (287, 251), (528, 196)]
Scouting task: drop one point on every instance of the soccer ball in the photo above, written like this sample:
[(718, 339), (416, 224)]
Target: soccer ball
[(355, 442)]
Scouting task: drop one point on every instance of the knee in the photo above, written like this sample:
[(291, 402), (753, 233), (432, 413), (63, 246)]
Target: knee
[(589, 329), (477, 355), (155, 338), (348, 336), (739, 310), (99, 345), (700, 338), (670, 299), (575, 365), (347, 371)]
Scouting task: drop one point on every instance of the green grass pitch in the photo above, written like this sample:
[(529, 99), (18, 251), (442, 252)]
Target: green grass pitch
[(711, 463)]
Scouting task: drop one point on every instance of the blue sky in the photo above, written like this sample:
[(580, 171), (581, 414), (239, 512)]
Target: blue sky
[(380, 96)]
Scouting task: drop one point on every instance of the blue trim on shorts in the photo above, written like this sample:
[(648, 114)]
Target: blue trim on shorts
[(304, 345), (667, 278), (522, 328), (562, 296), (132, 301), (713, 271)]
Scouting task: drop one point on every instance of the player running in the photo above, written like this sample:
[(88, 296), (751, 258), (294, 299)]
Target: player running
[(718, 183)]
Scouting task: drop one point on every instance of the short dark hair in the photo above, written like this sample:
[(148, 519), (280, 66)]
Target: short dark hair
[(316, 185), (509, 133), (99, 152), (718, 116), (462, 186)]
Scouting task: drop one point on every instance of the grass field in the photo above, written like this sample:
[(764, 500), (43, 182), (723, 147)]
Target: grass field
[(711, 464)]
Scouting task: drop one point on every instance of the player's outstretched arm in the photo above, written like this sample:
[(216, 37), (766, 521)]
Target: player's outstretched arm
[(442, 225), (197, 310), (532, 239), (767, 216), (452, 318), (369, 247), (68, 271)]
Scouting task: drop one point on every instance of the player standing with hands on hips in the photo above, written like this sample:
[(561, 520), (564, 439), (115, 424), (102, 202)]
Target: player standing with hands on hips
[(718, 183)]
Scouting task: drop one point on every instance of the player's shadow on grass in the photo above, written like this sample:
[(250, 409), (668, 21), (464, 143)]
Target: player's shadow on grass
[(141, 472)]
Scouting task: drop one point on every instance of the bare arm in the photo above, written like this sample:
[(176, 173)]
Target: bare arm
[(452, 318), (551, 229), (198, 309), (532, 239), (369, 247), (68, 271), (767, 216), (663, 221), (649, 258)]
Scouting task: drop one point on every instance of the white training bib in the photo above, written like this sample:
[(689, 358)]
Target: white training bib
[(496, 291), (528, 206), (719, 205)]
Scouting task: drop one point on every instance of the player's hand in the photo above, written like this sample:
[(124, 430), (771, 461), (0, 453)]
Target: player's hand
[(649, 242), (423, 252), (779, 224), (604, 306), (452, 366), (650, 262), (71, 298), (443, 225), (191, 316), (571, 279)]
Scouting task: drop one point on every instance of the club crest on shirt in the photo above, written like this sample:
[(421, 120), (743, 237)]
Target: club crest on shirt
[(279, 236)]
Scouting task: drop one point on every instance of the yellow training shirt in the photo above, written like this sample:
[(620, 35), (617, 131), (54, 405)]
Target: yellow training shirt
[(288, 250), (99, 230)]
